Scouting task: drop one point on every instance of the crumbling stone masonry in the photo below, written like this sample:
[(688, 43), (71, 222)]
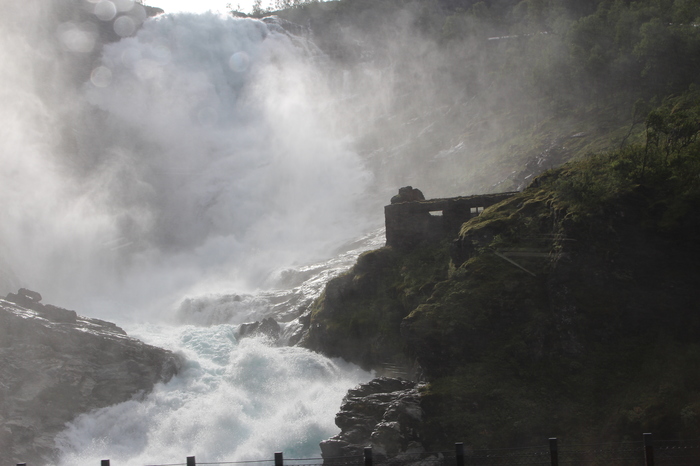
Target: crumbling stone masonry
[(411, 222)]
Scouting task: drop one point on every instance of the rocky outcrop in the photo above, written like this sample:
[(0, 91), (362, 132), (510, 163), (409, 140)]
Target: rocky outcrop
[(268, 327), (408, 194), (350, 319), (566, 308), (385, 414), (57, 364)]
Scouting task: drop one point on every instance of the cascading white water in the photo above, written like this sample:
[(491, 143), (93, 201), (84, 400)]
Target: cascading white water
[(200, 157), (203, 157), (232, 402)]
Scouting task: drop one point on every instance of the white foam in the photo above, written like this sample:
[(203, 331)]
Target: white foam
[(232, 402)]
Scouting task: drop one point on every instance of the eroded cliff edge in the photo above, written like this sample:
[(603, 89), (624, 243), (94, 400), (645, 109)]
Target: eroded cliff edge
[(569, 310), (57, 364)]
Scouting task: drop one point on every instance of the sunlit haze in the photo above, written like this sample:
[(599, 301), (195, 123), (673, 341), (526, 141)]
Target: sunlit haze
[(200, 6)]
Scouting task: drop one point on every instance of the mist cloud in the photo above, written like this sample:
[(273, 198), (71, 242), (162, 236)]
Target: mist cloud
[(201, 154)]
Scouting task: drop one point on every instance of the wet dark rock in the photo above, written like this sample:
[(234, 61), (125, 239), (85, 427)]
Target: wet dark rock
[(268, 327), (385, 414), (298, 335), (31, 300), (57, 365), (408, 194), (29, 294)]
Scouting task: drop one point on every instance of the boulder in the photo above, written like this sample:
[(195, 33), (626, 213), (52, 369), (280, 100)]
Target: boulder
[(268, 327), (408, 194), (31, 300), (385, 414)]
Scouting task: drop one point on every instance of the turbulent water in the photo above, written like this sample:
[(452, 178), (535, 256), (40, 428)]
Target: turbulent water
[(235, 400), (196, 179), (232, 402)]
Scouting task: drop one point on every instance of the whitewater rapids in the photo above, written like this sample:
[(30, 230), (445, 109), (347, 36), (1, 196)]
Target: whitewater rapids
[(233, 400)]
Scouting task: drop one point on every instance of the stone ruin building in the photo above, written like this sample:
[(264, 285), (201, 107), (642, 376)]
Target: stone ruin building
[(411, 219)]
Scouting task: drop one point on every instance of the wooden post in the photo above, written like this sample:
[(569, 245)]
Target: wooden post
[(554, 451), (368, 456), (104, 463), (648, 450), (279, 459), (459, 453), (191, 461)]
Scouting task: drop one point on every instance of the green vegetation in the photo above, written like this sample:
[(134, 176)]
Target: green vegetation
[(568, 310), (359, 314)]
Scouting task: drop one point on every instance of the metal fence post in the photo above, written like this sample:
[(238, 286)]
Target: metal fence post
[(459, 453), (279, 459), (648, 450), (104, 463), (554, 451), (191, 461), (368, 456)]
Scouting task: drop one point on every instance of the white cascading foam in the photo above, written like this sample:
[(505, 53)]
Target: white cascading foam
[(204, 158), (232, 402)]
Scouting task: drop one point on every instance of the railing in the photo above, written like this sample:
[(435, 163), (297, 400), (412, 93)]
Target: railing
[(642, 453)]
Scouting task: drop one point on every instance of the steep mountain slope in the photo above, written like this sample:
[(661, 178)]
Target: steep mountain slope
[(462, 97), (569, 310)]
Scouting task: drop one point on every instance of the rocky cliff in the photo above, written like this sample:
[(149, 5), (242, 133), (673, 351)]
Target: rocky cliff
[(384, 413), (568, 310), (57, 364)]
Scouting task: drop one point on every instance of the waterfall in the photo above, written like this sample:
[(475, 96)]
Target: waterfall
[(199, 158)]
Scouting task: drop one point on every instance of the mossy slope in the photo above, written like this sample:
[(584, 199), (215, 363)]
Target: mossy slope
[(569, 310)]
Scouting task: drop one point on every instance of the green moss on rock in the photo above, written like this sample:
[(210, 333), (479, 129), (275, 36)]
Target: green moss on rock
[(568, 310), (359, 314)]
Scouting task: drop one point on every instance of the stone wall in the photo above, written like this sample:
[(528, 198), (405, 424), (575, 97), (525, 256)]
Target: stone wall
[(412, 222)]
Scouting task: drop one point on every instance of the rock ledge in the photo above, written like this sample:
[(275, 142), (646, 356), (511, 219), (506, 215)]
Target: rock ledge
[(57, 365)]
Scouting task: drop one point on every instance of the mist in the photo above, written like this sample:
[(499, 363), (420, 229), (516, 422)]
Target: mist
[(181, 168), (203, 152), (200, 154)]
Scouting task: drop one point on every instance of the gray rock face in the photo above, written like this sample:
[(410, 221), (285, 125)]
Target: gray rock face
[(385, 414), (268, 327), (56, 365), (408, 194)]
